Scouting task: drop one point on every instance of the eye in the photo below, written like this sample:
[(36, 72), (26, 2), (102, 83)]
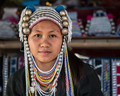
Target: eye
[(37, 35), (52, 36)]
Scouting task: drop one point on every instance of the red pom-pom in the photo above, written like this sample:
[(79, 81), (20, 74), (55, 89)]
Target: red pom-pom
[(89, 17)]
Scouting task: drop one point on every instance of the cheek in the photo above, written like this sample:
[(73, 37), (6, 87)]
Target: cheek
[(32, 45), (58, 45)]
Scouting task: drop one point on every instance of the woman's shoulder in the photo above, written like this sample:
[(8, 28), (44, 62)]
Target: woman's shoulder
[(16, 83), (87, 68)]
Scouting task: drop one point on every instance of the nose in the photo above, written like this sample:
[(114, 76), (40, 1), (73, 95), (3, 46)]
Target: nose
[(44, 42)]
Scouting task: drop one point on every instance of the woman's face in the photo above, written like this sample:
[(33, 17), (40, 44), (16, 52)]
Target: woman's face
[(45, 41)]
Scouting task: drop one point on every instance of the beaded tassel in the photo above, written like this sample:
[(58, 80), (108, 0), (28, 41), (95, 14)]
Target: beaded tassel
[(69, 81)]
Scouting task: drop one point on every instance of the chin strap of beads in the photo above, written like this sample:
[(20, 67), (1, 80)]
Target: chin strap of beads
[(29, 72)]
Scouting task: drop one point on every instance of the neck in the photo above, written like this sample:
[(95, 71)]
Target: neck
[(45, 66)]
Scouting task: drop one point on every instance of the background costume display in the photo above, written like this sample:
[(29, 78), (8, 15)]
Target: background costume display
[(70, 77)]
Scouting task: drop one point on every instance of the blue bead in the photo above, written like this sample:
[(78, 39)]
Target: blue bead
[(59, 8), (31, 8)]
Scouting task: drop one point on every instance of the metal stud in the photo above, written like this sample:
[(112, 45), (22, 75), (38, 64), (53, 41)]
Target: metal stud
[(65, 23), (25, 18), (24, 24), (28, 12), (26, 31), (64, 18), (62, 13), (65, 31)]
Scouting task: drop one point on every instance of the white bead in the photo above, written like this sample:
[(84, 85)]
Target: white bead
[(32, 89), (31, 65), (31, 73), (61, 49), (30, 62), (31, 69), (26, 45), (28, 52), (25, 42), (28, 55), (27, 48), (32, 79), (33, 84), (25, 39), (29, 59)]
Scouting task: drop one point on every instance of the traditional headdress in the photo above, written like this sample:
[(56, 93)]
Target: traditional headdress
[(29, 17)]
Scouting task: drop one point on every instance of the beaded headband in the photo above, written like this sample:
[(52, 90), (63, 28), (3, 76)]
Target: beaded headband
[(31, 16)]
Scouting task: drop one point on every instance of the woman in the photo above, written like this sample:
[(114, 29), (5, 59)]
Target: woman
[(45, 32)]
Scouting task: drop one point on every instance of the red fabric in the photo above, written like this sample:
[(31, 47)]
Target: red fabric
[(118, 79), (118, 69), (118, 90)]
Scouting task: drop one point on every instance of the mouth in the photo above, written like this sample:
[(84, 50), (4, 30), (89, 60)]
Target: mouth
[(44, 52)]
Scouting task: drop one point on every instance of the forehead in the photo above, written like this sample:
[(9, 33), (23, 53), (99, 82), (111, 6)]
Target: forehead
[(46, 24), (46, 20)]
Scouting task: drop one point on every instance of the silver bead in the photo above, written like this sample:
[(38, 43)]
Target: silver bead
[(33, 84), (25, 39), (65, 31), (26, 31), (29, 59), (31, 74), (28, 12), (25, 42), (31, 69), (32, 79), (24, 24), (32, 90), (64, 18), (28, 52), (25, 18), (28, 55), (31, 65), (26, 45), (62, 13), (65, 23), (27, 48), (30, 62)]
